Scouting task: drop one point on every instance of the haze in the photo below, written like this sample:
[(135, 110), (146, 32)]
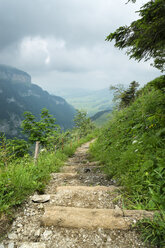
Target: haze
[(61, 43)]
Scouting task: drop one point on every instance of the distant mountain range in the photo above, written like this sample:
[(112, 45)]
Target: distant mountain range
[(92, 101), (18, 94)]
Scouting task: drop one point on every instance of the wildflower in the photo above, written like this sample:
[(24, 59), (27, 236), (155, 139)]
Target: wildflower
[(136, 150), (134, 141)]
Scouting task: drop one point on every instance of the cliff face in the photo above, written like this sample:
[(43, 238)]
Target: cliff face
[(14, 75), (18, 94)]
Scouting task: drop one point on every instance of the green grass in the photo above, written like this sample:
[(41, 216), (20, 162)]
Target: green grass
[(102, 120), (132, 147), (23, 177)]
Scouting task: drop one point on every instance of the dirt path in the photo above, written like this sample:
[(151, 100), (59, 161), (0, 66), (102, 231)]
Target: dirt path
[(79, 209)]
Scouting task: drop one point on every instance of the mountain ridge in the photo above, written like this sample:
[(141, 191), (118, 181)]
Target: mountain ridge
[(18, 94)]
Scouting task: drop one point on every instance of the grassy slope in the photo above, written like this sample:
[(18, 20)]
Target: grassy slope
[(99, 122), (22, 177), (132, 146)]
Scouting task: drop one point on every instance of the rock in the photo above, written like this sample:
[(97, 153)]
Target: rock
[(47, 234), (41, 198), (12, 236), (11, 245), (2, 246), (32, 245), (37, 233), (84, 218), (40, 206)]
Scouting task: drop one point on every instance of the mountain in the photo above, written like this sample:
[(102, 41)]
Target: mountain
[(101, 117), (18, 94), (92, 101)]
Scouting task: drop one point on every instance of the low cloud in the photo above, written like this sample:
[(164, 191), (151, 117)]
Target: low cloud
[(62, 42)]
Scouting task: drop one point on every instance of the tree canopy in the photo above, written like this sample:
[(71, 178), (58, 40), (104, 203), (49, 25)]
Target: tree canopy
[(145, 37)]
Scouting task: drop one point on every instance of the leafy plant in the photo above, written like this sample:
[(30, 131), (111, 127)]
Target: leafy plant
[(83, 124), (153, 231), (145, 37), (39, 130)]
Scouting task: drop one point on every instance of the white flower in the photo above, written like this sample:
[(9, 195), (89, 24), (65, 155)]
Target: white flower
[(134, 141)]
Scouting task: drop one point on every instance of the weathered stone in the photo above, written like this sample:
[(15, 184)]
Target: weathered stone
[(83, 218), (86, 188), (37, 233), (11, 245), (68, 169), (12, 236), (32, 245), (47, 234), (138, 214), (65, 175), (41, 198)]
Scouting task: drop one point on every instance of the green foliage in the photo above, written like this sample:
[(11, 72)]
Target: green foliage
[(83, 124), (132, 147), (22, 177), (39, 130), (12, 149), (153, 231), (145, 37), (125, 97)]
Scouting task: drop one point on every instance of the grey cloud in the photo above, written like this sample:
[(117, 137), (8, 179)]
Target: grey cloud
[(62, 42)]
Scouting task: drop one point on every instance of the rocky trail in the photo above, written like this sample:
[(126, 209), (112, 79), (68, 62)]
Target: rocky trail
[(80, 209)]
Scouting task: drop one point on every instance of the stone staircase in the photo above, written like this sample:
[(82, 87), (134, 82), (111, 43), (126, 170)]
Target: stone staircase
[(80, 209)]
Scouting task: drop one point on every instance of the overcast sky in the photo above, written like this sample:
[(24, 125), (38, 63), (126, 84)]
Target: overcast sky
[(61, 43)]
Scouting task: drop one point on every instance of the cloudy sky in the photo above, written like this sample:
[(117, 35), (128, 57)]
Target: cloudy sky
[(61, 43)]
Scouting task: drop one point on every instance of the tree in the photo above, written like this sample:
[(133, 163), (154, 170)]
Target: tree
[(145, 37), (39, 130), (83, 124), (125, 97)]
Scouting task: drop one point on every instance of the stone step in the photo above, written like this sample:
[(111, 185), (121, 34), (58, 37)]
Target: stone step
[(64, 175), (80, 189), (83, 218), (69, 169), (31, 245), (70, 217)]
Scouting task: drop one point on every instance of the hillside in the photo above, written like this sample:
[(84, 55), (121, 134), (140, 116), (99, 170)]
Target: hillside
[(18, 94), (92, 101), (101, 117), (132, 148)]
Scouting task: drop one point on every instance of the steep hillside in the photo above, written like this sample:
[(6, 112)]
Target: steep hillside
[(91, 101), (132, 147), (18, 94), (101, 117)]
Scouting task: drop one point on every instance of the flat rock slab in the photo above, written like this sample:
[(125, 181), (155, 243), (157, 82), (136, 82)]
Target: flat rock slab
[(64, 175), (68, 169), (40, 198), (32, 245), (87, 188), (138, 214), (84, 218)]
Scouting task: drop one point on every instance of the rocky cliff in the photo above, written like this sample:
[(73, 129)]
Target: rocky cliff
[(14, 75), (18, 94)]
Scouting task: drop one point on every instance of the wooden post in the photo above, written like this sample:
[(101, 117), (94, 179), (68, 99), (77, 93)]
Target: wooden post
[(36, 151), (62, 144), (55, 148)]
